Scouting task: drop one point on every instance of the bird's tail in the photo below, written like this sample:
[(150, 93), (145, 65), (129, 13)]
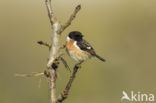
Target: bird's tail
[(100, 58)]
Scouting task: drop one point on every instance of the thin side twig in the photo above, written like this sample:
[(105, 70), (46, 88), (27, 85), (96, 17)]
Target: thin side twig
[(44, 43), (65, 92), (51, 16), (77, 9), (65, 63), (35, 74)]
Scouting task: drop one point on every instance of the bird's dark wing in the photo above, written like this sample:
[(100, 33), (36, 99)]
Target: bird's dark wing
[(84, 45)]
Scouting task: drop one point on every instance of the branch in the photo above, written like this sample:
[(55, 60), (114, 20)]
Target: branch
[(65, 63), (77, 9), (44, 43), (53, 53), (57, 29), (35, 74), (52, 85), (65, 92), (51, 16), (52, 78)]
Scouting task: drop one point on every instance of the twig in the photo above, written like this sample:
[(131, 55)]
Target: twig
[(65, 63), (35, 74), (65, 92), (51, 16), (77, 9), (44, 43)]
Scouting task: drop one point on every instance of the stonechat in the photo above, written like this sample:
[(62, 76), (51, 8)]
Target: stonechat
[(78, 48)]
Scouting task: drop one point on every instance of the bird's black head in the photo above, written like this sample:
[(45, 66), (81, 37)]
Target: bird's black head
[(75, 35)]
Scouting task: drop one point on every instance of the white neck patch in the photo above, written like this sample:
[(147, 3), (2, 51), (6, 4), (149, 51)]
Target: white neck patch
[(68, 38), (75, 42)]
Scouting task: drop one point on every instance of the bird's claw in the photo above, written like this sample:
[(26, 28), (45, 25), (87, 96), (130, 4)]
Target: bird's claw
[(78, 65)]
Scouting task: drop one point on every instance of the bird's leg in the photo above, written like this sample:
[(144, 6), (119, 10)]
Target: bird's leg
[(79, 64)]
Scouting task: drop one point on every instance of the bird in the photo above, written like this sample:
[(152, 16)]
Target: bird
[(79, 49)]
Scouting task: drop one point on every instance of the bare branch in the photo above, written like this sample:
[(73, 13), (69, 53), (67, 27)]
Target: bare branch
[(55, 43), (52, 85), (57, 30), (55, 26), (77, 9), (35, 74), (51, 16), (65, 63), (65, 92), (44, 43), (52, 78), (55, 55)]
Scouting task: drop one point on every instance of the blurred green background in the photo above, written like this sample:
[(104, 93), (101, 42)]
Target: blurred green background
[(121, 31)]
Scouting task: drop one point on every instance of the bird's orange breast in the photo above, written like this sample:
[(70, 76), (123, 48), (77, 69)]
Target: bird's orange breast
[(70, 45), (75, 52)]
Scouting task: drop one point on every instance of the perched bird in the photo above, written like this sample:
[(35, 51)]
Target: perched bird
[(79, 49)]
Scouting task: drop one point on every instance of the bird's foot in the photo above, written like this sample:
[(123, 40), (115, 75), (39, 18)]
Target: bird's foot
[(78, 65)]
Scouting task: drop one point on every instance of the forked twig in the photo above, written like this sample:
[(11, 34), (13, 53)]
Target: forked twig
[(71, 18)]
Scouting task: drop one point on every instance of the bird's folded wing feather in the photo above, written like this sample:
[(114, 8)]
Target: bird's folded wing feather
[(84, 45)]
